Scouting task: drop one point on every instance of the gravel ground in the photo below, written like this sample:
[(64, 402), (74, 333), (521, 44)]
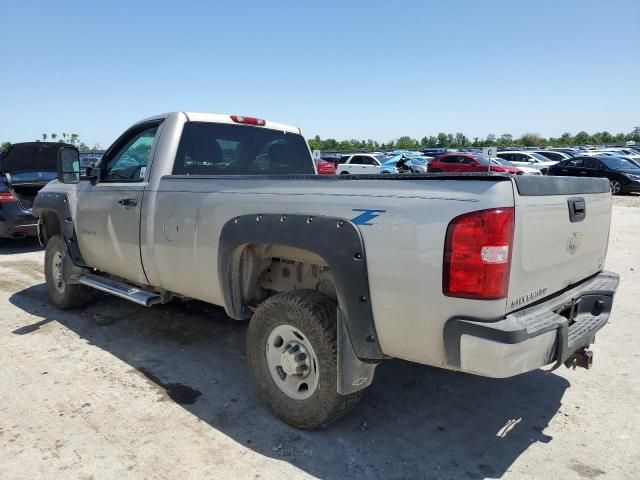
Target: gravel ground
[(631, 200), (118, 391)]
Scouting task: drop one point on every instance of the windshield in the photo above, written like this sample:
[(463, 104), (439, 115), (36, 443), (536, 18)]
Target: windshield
[(619, 163), (539, 157), (502, 161), (420, 160), (381, 158)]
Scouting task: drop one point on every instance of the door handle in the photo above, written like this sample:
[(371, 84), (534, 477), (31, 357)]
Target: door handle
[(127, 202)]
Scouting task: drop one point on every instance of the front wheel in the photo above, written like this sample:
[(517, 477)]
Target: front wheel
[(292, 352), (62, 294), (616, 187)]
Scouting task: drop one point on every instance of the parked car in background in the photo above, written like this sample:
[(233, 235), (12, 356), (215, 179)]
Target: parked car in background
[(553, 156), (325, 168), (467, 162), (361, 164), (335, 159), (524, 170), (434, 152), (87, 162), (419, 164), (400, 164), (527, 159), (623, 174), (619, 152), (572, 152), (24, 169)]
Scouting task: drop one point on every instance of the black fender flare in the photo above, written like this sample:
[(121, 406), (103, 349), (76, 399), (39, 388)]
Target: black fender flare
[(58, 204), (338, 241)]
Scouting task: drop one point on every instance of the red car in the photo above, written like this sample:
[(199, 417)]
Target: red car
[(467, 162), (326, 168)]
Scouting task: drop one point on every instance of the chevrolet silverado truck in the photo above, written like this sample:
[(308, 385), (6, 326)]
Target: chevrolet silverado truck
[(486, 273)]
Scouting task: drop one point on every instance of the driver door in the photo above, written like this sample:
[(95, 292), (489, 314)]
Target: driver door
[(108, 213)]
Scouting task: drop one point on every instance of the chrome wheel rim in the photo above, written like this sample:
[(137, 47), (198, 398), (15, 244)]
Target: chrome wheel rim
[(56, 272), (292, 362), (615, 187)]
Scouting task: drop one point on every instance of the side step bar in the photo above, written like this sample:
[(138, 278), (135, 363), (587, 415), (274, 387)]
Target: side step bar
[(121, 289)]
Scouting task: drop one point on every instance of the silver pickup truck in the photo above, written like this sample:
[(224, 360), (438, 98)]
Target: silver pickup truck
[(490, 274)]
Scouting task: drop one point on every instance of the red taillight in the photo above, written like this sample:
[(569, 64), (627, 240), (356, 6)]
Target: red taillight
[(7, 197), (477, 254), (248, 120)]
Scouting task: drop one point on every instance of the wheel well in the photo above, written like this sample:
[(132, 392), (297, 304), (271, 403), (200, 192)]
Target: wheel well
[(319, 251), (50, 225), (264, 270)]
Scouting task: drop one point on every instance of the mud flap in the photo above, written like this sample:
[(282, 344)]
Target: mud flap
[(71, 272), (353, 373)]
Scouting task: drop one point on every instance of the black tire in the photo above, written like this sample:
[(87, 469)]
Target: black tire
[(314, 315), (616, 187), (344, 173), (62, 294), (435, 170)]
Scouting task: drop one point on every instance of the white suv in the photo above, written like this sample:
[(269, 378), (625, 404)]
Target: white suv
[(522, 158)]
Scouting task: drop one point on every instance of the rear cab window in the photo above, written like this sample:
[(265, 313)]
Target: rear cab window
[(226, 149)]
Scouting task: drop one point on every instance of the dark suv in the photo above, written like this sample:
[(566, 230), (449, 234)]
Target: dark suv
[(24, 169), (623, 174)]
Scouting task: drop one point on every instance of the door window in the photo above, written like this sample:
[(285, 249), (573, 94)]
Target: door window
[(356, 160), (591, 163), (556, 157), (129, 162), (369, 161), (574, 162)]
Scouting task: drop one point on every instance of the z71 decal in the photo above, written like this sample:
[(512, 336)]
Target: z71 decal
[(366, 216)]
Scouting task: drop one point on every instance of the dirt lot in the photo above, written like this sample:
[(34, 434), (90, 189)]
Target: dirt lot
[(117, 391)]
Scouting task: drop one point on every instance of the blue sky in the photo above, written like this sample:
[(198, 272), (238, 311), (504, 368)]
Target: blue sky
[(349, 69)]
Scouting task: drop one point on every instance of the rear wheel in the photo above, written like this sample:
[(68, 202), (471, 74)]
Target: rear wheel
[(292, 353), (344, 173), (61, 293), (616, 187)]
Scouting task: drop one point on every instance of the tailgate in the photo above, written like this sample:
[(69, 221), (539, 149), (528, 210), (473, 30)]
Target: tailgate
[(561, 234)]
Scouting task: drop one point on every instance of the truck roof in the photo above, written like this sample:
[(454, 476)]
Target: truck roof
[(221, 118)]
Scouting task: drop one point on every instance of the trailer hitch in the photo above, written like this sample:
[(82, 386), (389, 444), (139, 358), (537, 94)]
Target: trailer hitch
[(583, 358)]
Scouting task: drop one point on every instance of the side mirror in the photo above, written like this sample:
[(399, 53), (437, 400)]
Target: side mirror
[(68, 165), (93, 173)]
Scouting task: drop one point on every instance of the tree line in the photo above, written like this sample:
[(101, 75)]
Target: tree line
[(459, 140), (442, 140)]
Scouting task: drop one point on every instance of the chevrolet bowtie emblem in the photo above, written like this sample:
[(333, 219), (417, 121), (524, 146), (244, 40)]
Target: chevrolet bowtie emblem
[(575, 240)]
